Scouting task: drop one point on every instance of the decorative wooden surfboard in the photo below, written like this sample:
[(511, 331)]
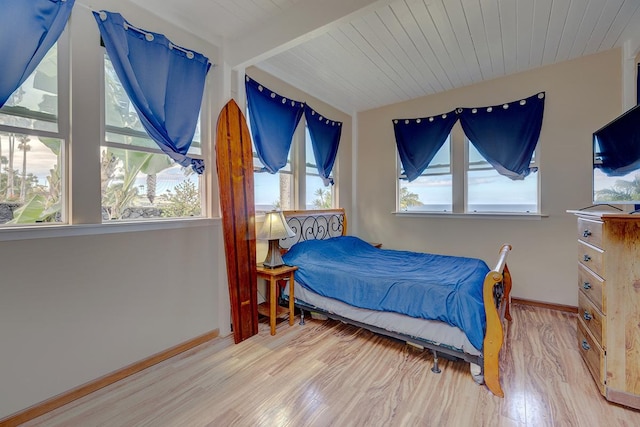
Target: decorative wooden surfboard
[(234, 161)]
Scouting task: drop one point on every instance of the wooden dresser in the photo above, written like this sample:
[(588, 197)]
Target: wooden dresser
[(609, 302)]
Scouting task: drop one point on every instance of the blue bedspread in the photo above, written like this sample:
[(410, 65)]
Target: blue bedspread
[(428, 286)]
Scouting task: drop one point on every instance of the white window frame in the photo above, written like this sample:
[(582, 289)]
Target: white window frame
[(63, 46), (80, 202)]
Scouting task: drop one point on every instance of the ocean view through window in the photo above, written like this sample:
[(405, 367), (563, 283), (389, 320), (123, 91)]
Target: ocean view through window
[(445, 187)]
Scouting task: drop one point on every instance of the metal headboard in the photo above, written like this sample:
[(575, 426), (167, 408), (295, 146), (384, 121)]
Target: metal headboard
[(314, 225)]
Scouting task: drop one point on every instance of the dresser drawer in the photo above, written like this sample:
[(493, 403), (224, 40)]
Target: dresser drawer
[(591, 318), (590, 231), (592, 285), (591, 257), (592, 355)]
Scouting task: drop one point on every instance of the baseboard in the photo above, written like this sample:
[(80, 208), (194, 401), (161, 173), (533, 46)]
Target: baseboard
[(533, 303), (85, 389)]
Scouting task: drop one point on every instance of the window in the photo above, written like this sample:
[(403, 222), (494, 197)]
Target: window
[(433, 190), (271, 191), (488, 191), (32, 147), (318, 196), (475, 188), (292, 183), (138, 180)]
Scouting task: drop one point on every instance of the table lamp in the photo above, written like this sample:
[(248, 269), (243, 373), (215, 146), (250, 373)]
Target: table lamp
[(274, 229)]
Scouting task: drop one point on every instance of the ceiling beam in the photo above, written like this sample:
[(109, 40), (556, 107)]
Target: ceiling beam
[(301, 22)]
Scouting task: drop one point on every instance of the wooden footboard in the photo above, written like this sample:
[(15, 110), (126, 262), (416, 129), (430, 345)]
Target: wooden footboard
[(497, 287)]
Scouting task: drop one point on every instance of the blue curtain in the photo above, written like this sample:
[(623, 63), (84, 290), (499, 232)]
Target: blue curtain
[(28, 29), (325, 138), (164, 82), (506, 135), (274, 119), (418, 140)]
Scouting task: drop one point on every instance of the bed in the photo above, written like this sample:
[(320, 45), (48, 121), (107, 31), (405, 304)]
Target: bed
[(453, 306)]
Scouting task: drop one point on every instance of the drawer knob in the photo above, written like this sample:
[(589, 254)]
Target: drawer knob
[(586, 258), (587, 316), (586, 233), (585, 345), (586, 286)]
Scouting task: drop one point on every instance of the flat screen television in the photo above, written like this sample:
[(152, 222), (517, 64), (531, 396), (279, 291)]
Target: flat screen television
[(616, 161)]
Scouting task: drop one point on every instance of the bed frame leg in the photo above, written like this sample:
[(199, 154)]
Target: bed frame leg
[(435, 369), (302, 317)]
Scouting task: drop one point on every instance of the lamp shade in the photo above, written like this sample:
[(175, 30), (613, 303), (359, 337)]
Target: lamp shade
[(275, 227)]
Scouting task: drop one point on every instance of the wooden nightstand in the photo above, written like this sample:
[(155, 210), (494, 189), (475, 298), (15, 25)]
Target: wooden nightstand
[(271, 308)]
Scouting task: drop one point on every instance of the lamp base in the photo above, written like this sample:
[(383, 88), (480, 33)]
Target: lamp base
[(274, 258)]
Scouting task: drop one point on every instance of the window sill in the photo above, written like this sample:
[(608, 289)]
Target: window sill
[(63, 230), (474, 215)]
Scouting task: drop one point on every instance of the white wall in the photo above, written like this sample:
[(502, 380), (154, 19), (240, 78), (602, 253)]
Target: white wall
[(581, 96), (76, 307)]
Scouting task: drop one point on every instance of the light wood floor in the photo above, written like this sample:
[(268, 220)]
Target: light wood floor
[(330, 374)]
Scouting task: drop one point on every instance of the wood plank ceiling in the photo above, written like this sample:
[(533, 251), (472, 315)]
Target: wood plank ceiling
[(404, 49)]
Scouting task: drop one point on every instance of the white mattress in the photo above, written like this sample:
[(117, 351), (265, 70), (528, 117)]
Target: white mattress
[(431, 330)]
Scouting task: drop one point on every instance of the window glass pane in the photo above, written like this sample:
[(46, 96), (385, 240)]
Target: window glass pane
[(273, 191), (476, 161), (488, 191), (433, 190), (139, 185), (122, 121), (312, 167), (31, 183), (318, 196), (129, 139), (258, 165), (34, 105), (441, 162), (196, 145), (427, 193)]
